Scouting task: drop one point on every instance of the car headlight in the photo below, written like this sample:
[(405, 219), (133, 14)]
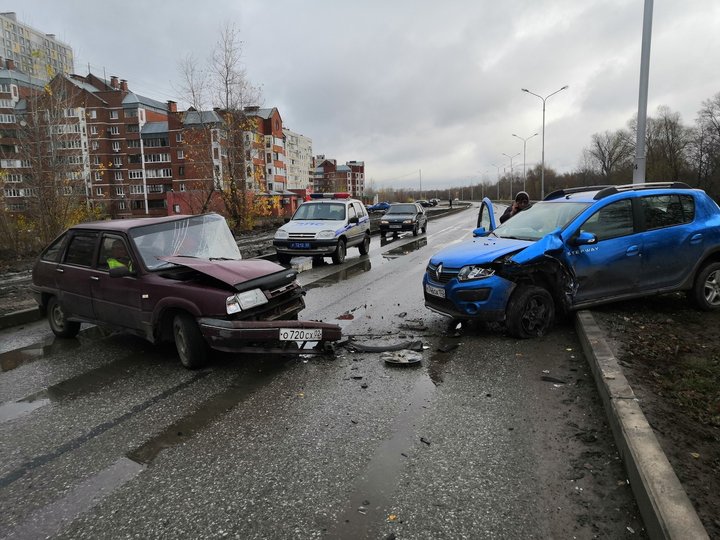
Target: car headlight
[(245, 300), (468, 273), (325, 235), (408, 221), (281, 234), (384, 222)]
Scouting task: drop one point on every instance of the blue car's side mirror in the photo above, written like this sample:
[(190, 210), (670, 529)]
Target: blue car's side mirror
[(480, 231), (584, 238)]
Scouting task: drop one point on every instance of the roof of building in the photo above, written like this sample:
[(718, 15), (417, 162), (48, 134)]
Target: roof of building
[(201, 117), (153, 128), (133, 99), (14, 75), (262, 113), (343, 168)]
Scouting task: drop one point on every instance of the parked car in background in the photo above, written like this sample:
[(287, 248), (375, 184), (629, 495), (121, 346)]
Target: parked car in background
[(434, 202), (325, 226), (176, 278), (424, 203), (578, 248), (379, 207), (404, 217)]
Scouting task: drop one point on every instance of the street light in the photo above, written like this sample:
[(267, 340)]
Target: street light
[(525, 140), (511, 171), (542, 174)]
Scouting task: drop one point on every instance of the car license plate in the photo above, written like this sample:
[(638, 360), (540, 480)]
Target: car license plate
[(300, 334), (395, 226), (300, 245), (435, 291)]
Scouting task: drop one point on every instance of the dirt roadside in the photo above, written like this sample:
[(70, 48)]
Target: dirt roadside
[(670, 354)]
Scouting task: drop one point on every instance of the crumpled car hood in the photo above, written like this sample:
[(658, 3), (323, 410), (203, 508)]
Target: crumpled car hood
[(230, 272), (480, 250)]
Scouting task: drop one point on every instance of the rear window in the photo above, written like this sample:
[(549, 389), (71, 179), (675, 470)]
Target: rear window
[(81, 249), (661, 211), (402, 209), (54, 251)]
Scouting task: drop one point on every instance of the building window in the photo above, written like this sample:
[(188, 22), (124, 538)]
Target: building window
[(182, 186), (94, 145), (93, 114), (98, 191), (181, 170), (119, 190), (178, 137), (135, 175), (98, 176), (114, 115), (117, 161), (136, 190), (118, 176), (181, 154), (116, 146), (115, 130)]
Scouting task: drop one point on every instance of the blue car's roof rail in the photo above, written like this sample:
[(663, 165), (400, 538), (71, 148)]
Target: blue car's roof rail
[(559, 193), (605, 191), (634, 187)]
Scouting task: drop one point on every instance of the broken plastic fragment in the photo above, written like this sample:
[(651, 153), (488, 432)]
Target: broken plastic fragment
[(403, 357)]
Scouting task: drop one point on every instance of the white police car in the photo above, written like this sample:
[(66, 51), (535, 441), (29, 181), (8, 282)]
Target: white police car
[(325, 226)]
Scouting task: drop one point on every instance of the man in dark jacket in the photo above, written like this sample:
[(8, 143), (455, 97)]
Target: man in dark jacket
[(522, 202)]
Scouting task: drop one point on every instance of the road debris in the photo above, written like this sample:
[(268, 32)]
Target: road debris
[(402, 357)]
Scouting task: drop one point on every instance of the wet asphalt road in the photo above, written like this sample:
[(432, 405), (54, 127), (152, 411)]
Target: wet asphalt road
[(107, 436)]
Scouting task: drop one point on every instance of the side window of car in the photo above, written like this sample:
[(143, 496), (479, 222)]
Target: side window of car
[(113, 253), (54, 251), (351, 212), (81, 249), (611, 221), (661, 211), (484, 217)]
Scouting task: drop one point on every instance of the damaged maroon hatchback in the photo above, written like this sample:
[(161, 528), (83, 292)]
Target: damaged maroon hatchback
[(177, 278)]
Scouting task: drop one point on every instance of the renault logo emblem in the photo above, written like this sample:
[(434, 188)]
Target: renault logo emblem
[(438, 271)]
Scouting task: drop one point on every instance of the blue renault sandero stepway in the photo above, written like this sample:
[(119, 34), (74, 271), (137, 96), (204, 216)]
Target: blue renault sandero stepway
[(578, 248)]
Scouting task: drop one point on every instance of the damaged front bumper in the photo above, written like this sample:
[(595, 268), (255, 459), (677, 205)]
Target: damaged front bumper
[(264, 336)]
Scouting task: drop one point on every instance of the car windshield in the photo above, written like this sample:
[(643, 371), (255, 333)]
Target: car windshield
[(402, 209), (205, 236), (540, 219), (320, 211)]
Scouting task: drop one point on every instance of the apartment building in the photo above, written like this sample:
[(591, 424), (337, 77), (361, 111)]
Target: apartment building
[(267, 163), (330, 177), (298, 161), (33, 52)]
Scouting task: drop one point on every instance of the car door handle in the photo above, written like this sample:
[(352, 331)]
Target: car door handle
[(59, 270), (696, 238), (632, 250), (95, 278)]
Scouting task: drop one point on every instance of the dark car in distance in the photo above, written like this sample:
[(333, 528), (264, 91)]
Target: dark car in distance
[(176, 278), (379, 207), (404, 217)]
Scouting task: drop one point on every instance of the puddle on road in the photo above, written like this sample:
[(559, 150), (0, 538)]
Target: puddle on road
[(340, 276), (14, 409), (405, 248), (372, 497), (49, 347)]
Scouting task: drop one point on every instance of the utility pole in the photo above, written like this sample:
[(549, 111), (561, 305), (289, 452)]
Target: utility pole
[(639, 167)]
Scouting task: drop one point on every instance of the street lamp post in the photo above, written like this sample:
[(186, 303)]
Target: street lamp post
[(542, 174), (524, 140), (511, 171)]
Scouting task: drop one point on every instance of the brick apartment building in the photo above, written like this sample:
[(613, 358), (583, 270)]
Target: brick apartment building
[(330, 177)]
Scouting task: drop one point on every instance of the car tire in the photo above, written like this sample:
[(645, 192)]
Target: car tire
[(283, 258), (339, 256), (530, 312), (364, 246), (59, 325), (189, 342), (424, 229), (705, 294), (415, 230)]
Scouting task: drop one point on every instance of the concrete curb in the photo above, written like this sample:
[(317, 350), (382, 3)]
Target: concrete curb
[(16, 318), (664, 505)]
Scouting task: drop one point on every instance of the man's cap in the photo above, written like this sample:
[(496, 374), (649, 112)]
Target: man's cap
[(522, 195)]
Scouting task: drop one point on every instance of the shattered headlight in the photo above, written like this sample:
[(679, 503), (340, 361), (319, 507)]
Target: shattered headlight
[(281, 234), (468, 273), (245, 300), (325, 235)]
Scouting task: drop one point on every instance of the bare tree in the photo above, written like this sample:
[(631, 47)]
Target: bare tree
[(51, 165), (667, 146), (611, 153), (221, 148)]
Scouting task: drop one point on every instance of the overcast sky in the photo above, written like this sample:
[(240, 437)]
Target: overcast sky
[(415, 85)]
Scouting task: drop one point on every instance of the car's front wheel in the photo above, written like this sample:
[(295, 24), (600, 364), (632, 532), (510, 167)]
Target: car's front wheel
[(706, 290), (415, 230), (60, 326), (190, 345), (424, 229), (364, 247), (339, 256), (530, 312)]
